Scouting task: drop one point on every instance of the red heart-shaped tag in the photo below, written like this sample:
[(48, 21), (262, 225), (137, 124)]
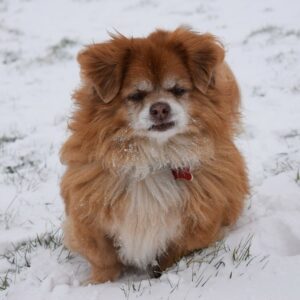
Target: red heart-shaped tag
[(182, 173)]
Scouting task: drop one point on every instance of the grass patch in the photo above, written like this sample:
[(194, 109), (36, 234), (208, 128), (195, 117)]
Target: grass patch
[(273, 33), (201, 267), (4, 282), (25, 172), (19, 257), (59, 51), (297, 179), (9, 139)]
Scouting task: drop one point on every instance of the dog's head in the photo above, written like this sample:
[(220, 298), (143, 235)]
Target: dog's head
[(169, 88), (159, 82)]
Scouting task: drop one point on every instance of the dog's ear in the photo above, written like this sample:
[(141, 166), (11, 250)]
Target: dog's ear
[(202, 53), (102, 66)]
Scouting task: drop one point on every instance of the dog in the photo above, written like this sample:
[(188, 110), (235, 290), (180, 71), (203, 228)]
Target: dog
[(152, 171)]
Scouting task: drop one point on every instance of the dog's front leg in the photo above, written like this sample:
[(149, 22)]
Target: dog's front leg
[(97, 248)]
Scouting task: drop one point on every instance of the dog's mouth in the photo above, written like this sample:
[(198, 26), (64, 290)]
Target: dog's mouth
[(162, 126)]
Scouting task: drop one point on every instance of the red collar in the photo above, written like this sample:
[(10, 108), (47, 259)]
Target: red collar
[(182, 173)]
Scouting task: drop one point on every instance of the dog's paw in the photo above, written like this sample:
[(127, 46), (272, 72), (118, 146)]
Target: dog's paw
[(154, 271), (102, 275)]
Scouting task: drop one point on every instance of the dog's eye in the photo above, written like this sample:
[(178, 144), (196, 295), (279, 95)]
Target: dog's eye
[(137, 96), (177, 91)]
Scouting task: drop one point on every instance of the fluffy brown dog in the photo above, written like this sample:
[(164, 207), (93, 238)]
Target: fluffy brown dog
[(152, 170)]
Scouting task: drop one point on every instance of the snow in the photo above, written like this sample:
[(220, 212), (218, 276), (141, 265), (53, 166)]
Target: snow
[(259, 258)]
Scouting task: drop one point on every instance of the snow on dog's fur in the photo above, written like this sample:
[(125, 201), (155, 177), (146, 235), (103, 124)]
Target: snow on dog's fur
[(147, 107)]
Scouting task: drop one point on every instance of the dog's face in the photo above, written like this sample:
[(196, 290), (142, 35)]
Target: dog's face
[(157, 97), (155, 87)]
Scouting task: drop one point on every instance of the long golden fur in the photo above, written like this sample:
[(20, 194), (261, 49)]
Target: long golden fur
[(123, 206)]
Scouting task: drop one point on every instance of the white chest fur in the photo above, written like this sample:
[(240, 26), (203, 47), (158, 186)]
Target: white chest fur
[(152, 218)]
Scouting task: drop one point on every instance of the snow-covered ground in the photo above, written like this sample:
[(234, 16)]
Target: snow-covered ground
[(260, 258)]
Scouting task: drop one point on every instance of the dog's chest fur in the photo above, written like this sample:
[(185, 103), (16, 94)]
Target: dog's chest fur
[(151, 220)]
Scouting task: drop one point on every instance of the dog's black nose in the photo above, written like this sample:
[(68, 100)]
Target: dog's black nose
[(160, 111)]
